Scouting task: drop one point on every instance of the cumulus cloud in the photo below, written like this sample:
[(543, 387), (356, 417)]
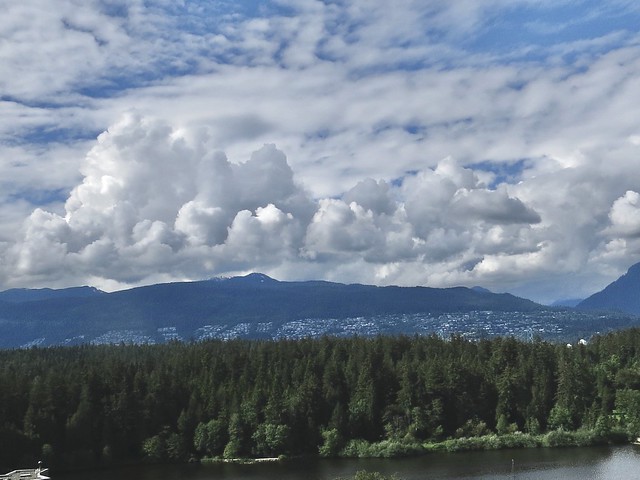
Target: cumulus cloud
[(621, 234), (495, 207), (156, 200), (150, 201), (372, 195), (625, 215), (384, 114)]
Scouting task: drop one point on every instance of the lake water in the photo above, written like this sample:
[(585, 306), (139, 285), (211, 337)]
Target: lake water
[(541, 464)]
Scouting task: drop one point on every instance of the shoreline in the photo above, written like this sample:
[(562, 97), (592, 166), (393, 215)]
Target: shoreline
[(490, 442), (354, 449), (552, 439), (243, 461)]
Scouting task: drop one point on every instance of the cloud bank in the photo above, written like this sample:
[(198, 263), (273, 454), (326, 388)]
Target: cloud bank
[(157, 202), (433, 143)]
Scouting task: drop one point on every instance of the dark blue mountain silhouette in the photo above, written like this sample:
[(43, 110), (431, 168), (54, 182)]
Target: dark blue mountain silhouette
[(256, 298), (17, 295), (622, 295)]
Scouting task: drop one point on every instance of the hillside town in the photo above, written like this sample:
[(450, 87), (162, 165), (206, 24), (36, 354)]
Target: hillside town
[(562, 325)]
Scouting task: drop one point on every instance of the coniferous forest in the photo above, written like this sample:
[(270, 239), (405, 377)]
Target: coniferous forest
[(100, 405)]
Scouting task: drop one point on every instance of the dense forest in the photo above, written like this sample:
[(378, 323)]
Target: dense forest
[(98, 405)]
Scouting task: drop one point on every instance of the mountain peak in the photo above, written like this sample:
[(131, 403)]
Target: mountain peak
[(256, 277), (622, 294), (481, 289), (634, 270)]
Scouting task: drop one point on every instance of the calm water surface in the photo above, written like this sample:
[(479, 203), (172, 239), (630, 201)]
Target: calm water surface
[(540, 464)]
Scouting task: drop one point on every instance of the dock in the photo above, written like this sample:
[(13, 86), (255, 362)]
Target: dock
[(26, 474)]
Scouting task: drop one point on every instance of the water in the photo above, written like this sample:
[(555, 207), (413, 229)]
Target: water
[(540, 464)]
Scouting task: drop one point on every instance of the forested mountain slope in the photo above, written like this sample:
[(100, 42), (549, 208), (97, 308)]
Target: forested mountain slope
[(622, 295)]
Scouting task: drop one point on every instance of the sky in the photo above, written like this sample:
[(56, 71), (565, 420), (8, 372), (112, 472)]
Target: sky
[(489, 143)]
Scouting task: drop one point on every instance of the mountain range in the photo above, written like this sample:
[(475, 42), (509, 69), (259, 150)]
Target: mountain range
[(256, 301), (257, 306)]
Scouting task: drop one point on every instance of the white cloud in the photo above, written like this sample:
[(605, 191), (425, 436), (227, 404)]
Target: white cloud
[(372, 195), (156, 200), (625, 215), (150, 200), (378, 109), (495, 207), (622, 234)]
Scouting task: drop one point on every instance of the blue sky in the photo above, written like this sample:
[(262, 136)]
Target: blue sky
[(540, 26), (489, 143)]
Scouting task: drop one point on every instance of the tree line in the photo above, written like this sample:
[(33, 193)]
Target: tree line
[(99, 405)]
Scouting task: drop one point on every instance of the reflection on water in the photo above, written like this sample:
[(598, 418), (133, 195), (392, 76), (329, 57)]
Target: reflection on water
[(528, 464)]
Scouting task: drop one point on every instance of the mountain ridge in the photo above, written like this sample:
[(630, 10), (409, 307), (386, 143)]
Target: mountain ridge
[(85, 314), (622, 294), (19, 295), (258, 306)]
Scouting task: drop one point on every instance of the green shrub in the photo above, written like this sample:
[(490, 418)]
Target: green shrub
[(486, 442), (332, 443), (359, 448), (579, 438), (519, 440)]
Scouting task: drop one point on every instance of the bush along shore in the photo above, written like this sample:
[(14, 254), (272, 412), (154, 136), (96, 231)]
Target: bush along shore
[(555, 438), (96, 406), (359, 448), (492, 441)]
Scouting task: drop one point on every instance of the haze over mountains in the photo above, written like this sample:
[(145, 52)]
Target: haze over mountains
[(257, 306)]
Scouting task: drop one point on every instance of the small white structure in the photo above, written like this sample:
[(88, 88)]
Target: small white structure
[(27, 474)]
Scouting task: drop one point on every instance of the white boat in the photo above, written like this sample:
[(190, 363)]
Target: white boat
[(27, 474)]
